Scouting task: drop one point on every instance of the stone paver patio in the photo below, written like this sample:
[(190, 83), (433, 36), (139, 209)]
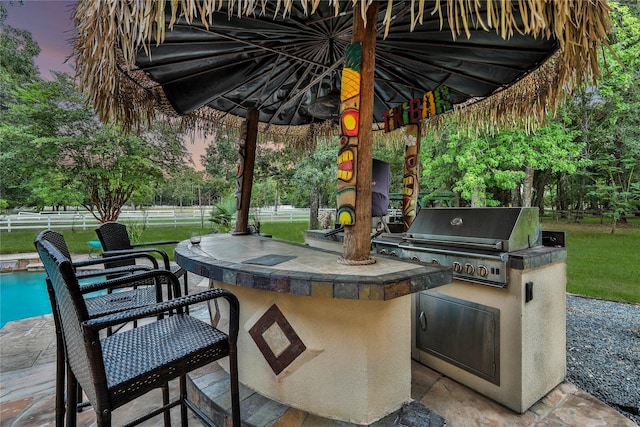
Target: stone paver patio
[(27, 373)]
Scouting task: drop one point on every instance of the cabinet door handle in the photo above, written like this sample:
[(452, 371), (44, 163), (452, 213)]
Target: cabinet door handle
[(423, 321)]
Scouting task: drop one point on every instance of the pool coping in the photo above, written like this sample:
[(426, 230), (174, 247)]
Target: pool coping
[(27, 261), (20, 262)]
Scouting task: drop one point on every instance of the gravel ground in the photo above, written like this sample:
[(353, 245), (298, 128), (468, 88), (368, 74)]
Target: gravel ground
[(603, 352)]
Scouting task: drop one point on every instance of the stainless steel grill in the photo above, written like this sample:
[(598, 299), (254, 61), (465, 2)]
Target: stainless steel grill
[(474, 242), (505, 340)]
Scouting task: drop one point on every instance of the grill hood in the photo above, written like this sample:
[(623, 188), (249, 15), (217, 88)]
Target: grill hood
[(493, 229)]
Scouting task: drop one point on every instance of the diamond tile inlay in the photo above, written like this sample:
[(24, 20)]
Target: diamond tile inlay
[(278, 342)]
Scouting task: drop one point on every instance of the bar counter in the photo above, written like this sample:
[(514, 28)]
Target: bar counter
[(328, 338)]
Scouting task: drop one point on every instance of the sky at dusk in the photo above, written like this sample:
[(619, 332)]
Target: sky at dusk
[(50, 23)]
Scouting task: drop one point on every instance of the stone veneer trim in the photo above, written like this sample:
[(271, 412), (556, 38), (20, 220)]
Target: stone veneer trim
[(382, 287)]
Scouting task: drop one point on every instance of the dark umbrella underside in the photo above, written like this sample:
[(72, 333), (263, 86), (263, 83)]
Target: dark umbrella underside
[(289, 69)]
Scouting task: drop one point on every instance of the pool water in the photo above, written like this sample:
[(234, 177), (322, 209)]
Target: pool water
[(23, 294)]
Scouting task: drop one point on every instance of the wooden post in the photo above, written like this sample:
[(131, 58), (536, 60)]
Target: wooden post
[(357, 237), (244, 180), (410, 184)]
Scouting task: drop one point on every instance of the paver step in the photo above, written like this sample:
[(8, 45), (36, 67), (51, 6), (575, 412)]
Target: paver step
[(209, 387)]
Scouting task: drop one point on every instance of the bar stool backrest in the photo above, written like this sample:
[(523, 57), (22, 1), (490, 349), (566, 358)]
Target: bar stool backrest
[(83, 350)]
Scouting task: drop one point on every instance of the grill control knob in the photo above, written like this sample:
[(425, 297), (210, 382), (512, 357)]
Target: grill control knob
[(393, 253), (457, 267), (415, 258), (435, 262), (469, 269), (383, 251), (483, 271)]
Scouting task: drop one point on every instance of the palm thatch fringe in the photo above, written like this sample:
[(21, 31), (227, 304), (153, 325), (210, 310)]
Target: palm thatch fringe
[(526, 104), (111, 32)]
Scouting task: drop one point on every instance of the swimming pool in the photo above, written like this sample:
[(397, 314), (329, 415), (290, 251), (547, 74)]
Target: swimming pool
[(23, 294)]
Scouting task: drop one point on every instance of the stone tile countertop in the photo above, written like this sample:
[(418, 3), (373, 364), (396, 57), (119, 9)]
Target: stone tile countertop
[(274, 265)]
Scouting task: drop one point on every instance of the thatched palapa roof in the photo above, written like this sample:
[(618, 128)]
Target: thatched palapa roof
[(207, 61)]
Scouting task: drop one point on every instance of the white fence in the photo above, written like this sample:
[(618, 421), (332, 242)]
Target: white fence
[(195, 216)]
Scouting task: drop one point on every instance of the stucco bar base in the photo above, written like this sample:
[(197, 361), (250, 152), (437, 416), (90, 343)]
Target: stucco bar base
[(532, 336), (357, 363)]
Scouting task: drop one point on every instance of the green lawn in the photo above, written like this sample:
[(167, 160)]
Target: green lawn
[(77, 240), (599, 264), (289, 231)]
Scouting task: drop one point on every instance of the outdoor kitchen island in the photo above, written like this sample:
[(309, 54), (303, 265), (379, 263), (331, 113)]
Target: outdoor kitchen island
[(327, 338)]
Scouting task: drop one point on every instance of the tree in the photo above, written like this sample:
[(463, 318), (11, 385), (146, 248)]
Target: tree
[(143, 195), (479, 168), (221, 163), (111, 166), (15, 176), (621, 144), (274, 167), (315, 176), (54, 151), (17, 67), (17, 53), (272, 170), (551, 149), (53, 138), (602, 121), (183, 188), (608, 118)]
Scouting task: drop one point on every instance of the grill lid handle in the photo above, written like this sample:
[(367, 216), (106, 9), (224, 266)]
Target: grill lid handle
[(471, 243)]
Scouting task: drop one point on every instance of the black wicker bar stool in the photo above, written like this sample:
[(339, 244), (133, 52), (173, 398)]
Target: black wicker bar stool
[(119, 368), (138, 294), (115, 240)]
